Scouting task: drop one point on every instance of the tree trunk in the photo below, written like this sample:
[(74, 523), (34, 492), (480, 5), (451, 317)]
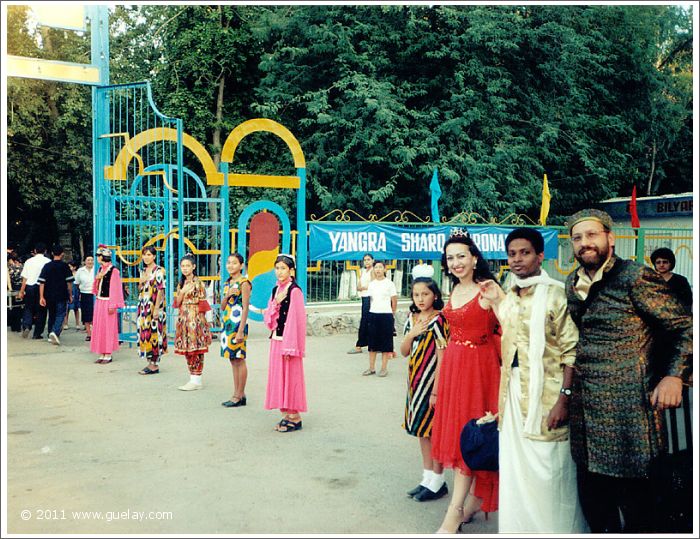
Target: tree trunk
[(216, 143), (65, 238), (81, 246)]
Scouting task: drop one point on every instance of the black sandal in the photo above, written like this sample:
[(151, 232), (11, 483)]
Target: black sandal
[(148, 370), (289, 426)]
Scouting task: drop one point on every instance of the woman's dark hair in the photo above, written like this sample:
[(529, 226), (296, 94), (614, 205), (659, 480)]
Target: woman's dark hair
[(286, 259), (367, 255), (237, 256), (481, 272), (433, 287), (149, 249), (193, 260), (664, 252), (375, 262), (74, 263)]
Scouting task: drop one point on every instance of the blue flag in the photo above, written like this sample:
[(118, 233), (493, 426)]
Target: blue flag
[(435, 193)]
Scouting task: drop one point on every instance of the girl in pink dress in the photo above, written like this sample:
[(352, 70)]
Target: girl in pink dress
[(468, 378), (285, 316), (109, 297)]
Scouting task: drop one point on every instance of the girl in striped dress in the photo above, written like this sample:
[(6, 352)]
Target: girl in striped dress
[(424, 340), (234, 306)]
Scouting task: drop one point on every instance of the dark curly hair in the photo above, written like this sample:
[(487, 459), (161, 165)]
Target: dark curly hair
[(664, 252)]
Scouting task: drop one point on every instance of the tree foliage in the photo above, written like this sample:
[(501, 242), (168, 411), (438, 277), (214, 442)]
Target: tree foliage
[(49, 163), (597, 97)]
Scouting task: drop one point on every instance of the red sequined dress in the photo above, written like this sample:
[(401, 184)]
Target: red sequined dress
[(467, 389)]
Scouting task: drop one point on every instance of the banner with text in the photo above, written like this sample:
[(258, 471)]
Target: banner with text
[(331, 241)]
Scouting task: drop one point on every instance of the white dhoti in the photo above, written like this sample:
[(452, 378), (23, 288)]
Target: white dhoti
[(538, 491)]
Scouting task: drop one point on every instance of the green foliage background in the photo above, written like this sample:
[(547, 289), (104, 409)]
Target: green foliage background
[(597, 97)]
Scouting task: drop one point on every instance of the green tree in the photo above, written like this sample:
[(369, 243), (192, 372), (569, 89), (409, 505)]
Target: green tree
[(49, 130)]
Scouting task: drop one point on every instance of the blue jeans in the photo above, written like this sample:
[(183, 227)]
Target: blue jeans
[(57, 313)]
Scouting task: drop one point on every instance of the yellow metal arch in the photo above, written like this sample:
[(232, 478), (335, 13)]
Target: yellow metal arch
[(261, 180), (118, 170)]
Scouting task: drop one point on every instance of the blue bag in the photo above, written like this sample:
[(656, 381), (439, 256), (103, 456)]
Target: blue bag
[(479, 445)]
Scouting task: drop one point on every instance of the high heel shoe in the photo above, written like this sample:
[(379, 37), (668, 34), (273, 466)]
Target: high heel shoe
[(468, 519), (460, 513)]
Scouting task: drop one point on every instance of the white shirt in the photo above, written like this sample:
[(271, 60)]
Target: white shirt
[(365, 278), (380, 292), (84, 278), (32, 269)]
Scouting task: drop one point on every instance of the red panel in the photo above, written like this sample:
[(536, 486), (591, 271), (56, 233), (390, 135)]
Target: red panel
[(264, 233)]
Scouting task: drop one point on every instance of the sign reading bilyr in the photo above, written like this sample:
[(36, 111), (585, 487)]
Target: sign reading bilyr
[(331, 241)]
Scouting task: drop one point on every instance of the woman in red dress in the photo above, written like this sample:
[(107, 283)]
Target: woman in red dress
[(468, 378)]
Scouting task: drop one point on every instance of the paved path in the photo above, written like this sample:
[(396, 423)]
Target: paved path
[(86, 437)]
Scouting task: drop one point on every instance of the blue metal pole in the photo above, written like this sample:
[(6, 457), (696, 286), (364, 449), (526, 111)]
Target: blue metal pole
[(226, 248), (302, 262)]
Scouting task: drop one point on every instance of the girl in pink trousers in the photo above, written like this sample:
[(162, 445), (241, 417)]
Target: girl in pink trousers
[(285, 317), (109, 296)]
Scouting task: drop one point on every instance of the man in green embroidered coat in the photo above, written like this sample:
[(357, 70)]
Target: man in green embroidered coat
[(620, 388)]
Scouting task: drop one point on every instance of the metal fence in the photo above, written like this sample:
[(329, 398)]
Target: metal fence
[(336, 281), (330, 281)]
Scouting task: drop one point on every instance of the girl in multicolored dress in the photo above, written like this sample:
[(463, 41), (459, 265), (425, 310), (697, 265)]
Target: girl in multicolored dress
[(192, 334), (425, 338), (234, 305), (150, 313), (285, 316)]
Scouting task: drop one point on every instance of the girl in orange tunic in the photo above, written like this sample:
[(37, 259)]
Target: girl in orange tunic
[(192, 334)]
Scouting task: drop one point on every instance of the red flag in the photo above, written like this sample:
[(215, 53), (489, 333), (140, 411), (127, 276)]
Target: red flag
[(633, 208)]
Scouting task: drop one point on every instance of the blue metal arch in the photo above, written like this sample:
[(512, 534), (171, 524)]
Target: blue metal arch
[(168, 168), (264, 282)]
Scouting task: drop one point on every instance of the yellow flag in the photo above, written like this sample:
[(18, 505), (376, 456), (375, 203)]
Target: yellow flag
[(546, 197)]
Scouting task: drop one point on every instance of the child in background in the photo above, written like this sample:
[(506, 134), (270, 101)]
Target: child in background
[(383, 296), (75, 304), (192, 334), (362, 285), (235, 304), (84, 278), (285, 316), (424, 340)]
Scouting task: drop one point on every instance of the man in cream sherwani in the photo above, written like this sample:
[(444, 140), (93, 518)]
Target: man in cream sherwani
[(538, 492)]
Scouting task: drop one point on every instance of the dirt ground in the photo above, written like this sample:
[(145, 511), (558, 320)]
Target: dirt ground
[(98, 449)]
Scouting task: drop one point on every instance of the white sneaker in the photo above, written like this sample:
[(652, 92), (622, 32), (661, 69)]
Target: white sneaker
[(53, 338), (65, 327), (189, 386)]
